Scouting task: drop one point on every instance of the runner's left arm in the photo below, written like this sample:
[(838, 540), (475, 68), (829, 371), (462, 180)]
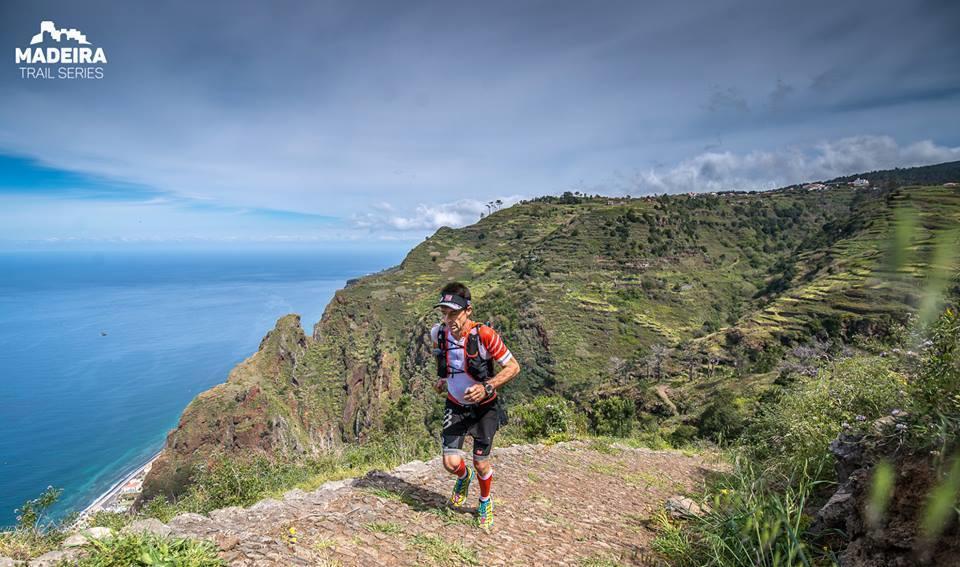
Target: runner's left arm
[(499, 351)]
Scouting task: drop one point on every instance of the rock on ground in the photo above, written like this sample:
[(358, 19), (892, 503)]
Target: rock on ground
[(83, 538), (52, 558), (149, 526)]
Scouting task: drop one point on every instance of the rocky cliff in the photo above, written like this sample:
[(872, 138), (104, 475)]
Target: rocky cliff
[(273, 403), (895, 537)]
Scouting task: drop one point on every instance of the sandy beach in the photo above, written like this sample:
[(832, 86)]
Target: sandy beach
[(110, 500)]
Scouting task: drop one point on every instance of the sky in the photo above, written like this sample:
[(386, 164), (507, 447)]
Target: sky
[(311, 123)]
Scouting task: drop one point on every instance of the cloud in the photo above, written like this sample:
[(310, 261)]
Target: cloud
[(779, 96), (717, 171), (427, 217), (330, 108), (729, 99), (56, 218)]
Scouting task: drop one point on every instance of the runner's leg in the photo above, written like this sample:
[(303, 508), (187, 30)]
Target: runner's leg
[(484, 477), (455, 464), (482, 446), (481, 462), (454, 429)]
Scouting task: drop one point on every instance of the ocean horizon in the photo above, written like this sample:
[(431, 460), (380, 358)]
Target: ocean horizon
[(101, 351)]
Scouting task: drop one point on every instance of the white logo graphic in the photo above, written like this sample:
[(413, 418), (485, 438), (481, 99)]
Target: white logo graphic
[(51, 28), (447, 418), (61, 61)]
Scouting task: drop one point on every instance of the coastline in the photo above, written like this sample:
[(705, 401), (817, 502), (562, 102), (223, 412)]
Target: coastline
[(240, 296), (110, 500)]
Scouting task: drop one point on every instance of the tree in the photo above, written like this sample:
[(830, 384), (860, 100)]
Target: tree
[(29, 515), (654, 361), (660, 354), (689, 359)]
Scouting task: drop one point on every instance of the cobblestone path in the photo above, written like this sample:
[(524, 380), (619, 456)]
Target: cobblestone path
[(564, 504)]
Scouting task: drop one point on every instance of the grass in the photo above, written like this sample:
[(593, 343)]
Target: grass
[(605, 445), (614, 469), (673, 540), (758, 512), (113, 520), (24, 544), (445, 553), (753, 521), (451, 517), (233, 482), (599, 561), (146, 549), (387, 494), (645, 479)]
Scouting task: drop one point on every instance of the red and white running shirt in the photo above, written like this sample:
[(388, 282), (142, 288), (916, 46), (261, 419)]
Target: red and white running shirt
[(491, 346)]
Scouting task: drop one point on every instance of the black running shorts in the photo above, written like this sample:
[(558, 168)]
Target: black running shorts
[(480, 422)]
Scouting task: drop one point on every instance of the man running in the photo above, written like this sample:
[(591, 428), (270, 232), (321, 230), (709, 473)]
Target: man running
[(465, 352)]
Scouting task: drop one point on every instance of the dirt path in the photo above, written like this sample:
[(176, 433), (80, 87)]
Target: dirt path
[(663, 392), (563, 504)]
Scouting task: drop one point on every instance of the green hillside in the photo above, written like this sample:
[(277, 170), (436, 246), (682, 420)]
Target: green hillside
[(586, 289), (598, 295)]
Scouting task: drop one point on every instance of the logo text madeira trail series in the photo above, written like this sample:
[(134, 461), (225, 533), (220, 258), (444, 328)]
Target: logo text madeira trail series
[(57, 53)]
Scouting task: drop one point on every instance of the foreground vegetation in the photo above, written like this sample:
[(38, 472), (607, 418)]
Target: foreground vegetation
[(761, 512)]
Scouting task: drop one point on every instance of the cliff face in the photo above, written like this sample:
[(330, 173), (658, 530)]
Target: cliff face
[(271, 403), (897, 537), (589, 293)]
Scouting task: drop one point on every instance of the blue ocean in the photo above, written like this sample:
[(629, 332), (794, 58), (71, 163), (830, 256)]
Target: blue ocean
[(100, 352)]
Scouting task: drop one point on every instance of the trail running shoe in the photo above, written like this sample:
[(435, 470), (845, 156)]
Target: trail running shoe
[(485, 513), (461, 488)]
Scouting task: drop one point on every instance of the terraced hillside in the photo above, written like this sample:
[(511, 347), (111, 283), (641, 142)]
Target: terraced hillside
[(597, 295), (860, 283)]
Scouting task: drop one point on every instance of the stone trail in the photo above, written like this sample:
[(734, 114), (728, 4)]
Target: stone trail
[(562, 504)]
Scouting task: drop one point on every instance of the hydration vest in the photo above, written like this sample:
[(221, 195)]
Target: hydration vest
[(475, 367)]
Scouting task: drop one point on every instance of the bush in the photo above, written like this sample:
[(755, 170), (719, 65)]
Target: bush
[(810, 415), (545, 416), (113, 520), (683, 435), (402, 418), (766, 358), (936, 402), (30, 515), (614, 416), (32, 536), (722, 418), (160, 508), (234, 482)]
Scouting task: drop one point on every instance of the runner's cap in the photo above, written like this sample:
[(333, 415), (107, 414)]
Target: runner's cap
[(453, 301)]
